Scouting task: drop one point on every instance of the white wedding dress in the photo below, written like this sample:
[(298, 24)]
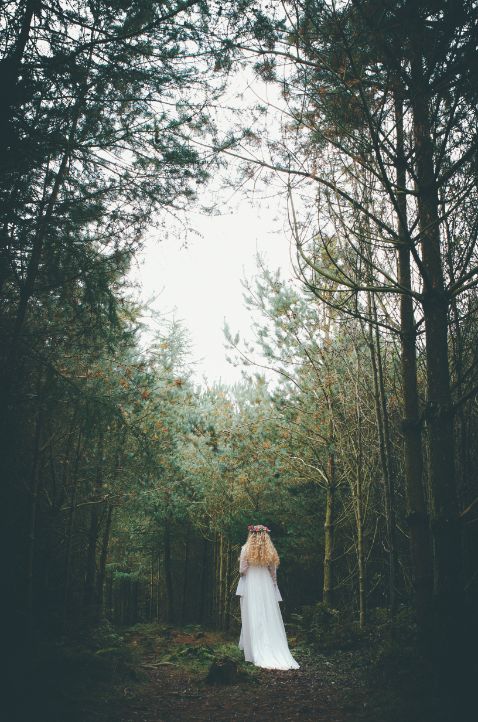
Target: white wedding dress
[(263, 636)]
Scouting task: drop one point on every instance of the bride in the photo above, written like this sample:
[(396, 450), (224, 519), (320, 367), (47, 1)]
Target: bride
[(263, 636)]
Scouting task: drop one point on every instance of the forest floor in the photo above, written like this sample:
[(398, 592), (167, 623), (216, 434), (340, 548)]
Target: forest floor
[(156, 673), (170, 683)]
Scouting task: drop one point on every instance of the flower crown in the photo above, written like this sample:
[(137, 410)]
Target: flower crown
[(256, 528)]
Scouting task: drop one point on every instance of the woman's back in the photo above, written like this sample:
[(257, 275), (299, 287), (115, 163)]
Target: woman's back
[(263, 636)]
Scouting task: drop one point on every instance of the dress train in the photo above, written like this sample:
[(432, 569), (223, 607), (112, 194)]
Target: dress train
[(263, 637)]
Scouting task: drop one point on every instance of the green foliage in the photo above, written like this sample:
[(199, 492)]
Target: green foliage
[(66, 675), (197, 654), (328, 629)]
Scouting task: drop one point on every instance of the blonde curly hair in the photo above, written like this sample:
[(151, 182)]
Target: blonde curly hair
[(260, 551)]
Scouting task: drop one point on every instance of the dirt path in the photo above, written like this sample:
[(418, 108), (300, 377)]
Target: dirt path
[(325, 689), (175, 696)]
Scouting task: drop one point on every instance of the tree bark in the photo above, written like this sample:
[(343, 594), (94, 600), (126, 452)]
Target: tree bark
[(103, 557), (203, 583), (69, 532), (90, 598), (220, 582), (381, 415), (329, 531), (227, 604), (215, 586), (359, 516), (10, 69), (417, 512), (34, 484), (168, 578), (361, 553), (158, 587), (90, 578), (185, 578), (448, 582), (151, 587)]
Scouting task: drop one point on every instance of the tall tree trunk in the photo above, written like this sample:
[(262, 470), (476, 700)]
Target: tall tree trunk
[(417, 512), (90, 599), (227, 610), (168, 577), (390, 479), (38, 242), (10, 69), (220, 581), (185, 577), (69, 532), (329, 530), (214, 576), (203, 594), (34, 484), (90, 578), (328, 596), (109, 596), (103, 557), (151, 587), (448, 583), (158, 587), (361, 551), (359, 514), (381, 415)]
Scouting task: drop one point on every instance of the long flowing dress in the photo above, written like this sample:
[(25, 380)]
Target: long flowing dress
[(263, 638)]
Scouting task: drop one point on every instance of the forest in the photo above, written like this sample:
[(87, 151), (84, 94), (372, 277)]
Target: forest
[(127, 485)]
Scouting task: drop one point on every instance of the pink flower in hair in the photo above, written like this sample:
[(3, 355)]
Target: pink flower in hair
[(257, 528)]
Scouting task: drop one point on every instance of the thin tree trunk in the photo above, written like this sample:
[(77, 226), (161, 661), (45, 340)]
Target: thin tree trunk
[(34, 484), (185, 578), (151, 587), (168, 578), (69, 533), (90, 579), (134, 602), (213, 581), (464, 471), (329, 530), (381, 415), (109, 595), (361, 552), (90, 599), (103, 557), (221, 582), (227, 601), (390, 479), (359, 515), (158, 587), (203, 583), (329, 524)]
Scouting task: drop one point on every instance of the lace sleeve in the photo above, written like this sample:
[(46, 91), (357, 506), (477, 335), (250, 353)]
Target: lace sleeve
[(243, 563), (273, 572)]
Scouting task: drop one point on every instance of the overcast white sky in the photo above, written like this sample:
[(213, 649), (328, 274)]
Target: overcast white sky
[(201, 283)]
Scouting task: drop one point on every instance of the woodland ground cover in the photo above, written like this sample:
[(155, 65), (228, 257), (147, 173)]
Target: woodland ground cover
[(160, 673)]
